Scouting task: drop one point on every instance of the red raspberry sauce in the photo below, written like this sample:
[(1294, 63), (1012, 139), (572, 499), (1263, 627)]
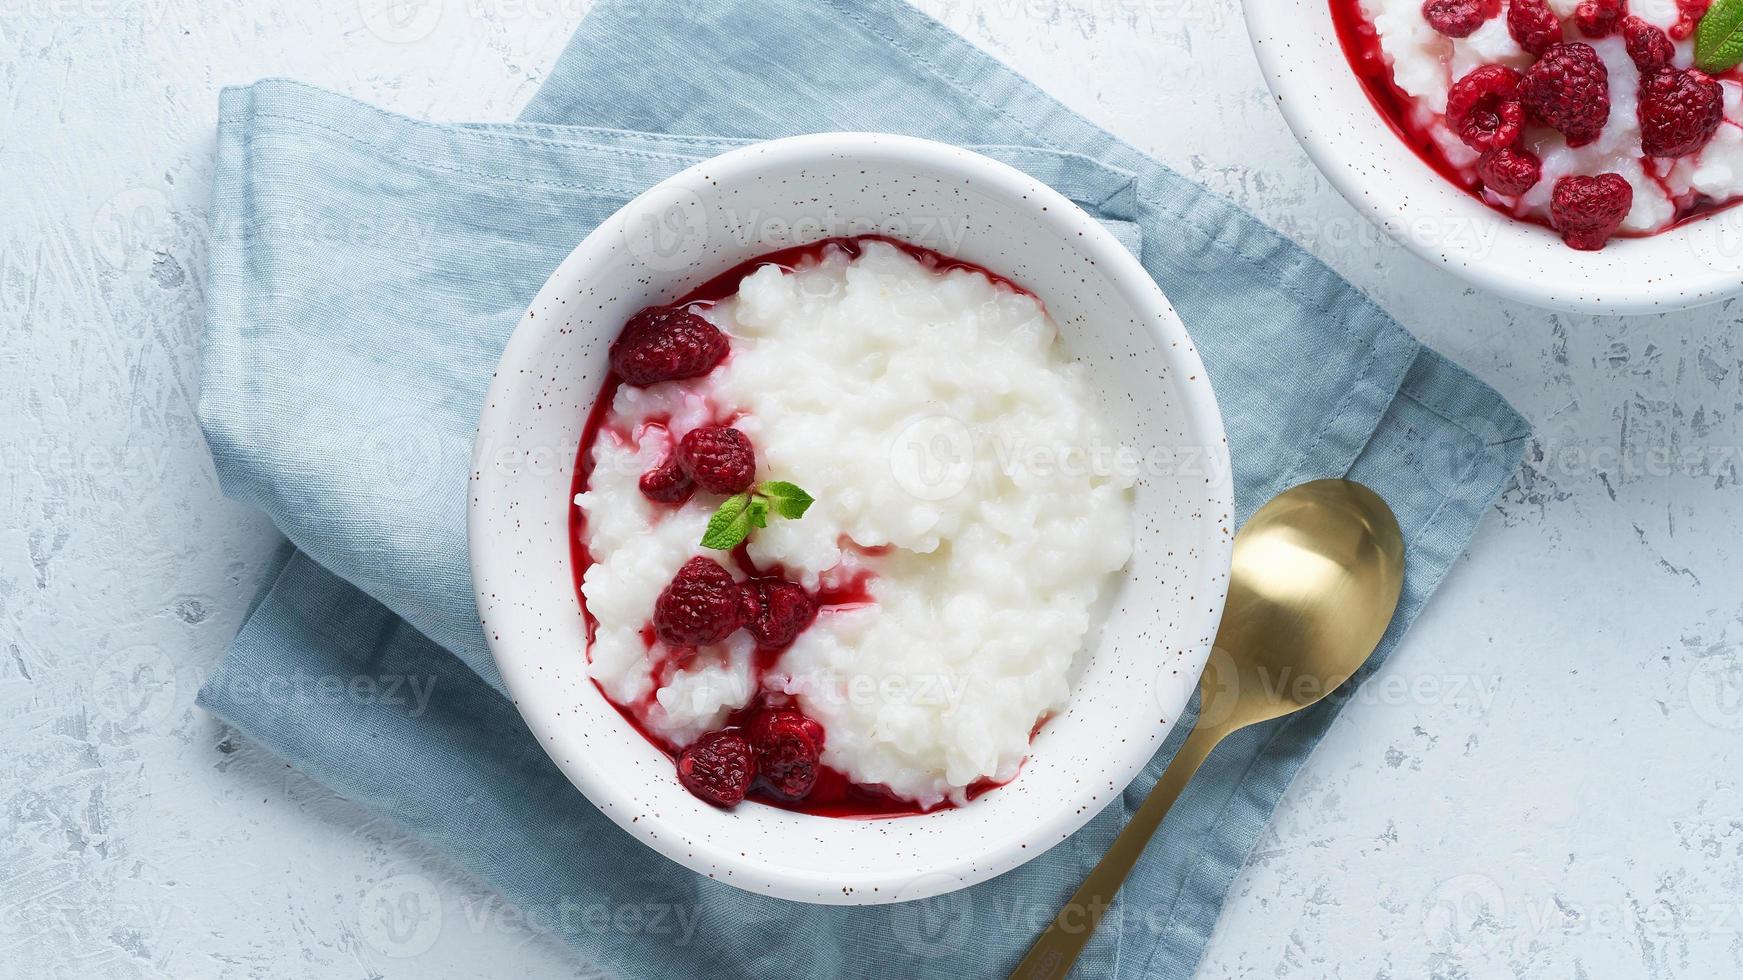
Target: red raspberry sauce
[(834, 795)]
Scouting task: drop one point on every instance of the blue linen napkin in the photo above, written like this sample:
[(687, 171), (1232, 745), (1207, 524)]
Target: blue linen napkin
[(366, 270)]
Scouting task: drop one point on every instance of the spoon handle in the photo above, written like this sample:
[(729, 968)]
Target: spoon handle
[(1057, 949)]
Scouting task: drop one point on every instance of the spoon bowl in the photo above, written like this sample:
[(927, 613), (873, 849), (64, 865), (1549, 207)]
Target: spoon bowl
[(1316, 577)]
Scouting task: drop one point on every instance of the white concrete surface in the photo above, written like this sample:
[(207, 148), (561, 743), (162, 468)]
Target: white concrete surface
[(1547, 786)]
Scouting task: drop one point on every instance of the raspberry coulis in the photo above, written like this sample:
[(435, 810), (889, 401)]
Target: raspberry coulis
[(1361, 46), (834, 794)]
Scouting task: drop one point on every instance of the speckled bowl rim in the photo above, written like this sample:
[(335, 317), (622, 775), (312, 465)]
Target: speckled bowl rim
[(1348, 139), (497, 557)]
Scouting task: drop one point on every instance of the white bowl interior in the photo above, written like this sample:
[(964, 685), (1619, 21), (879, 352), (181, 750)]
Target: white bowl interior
[(1143, 666), (1349, 139)]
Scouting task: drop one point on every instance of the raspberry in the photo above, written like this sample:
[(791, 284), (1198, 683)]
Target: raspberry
[(1588, 210), (719, 458), (667, 483), (666, 343), (782, 611), (1600, 18), (1459, 18), (700, 606), (1533, 25), (788, 748), (718, 768), (1679, 112), (1647, 45), (1509, 170), (1569, 88), (1483, 108)]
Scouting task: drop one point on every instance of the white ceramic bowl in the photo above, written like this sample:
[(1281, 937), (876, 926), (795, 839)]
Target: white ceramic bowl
[(1351, 142), (1146, 659)]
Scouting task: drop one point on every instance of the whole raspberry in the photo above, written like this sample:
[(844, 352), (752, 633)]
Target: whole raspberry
[(719, 458), (1600, 18), (788, 749), (700, 606), (1533, 25), (1483, 108), (1588, 210), (1459, 18), (1648, 46), (1509, 170), (783, 611), (1569, 88), (667, 483), (718, 768), (666, 343), (1679, 112)]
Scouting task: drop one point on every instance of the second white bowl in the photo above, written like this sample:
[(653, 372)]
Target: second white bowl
[(1353, 145)]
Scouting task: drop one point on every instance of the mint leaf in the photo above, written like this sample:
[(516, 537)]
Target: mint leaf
[(730, 524), (788, 500), (1719, 38), (737, 515)]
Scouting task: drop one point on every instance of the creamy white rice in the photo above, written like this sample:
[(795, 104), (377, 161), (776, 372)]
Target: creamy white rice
[(961, 470)]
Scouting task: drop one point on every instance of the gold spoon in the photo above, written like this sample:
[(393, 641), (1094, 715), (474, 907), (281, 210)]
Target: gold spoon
[(1315, 580)]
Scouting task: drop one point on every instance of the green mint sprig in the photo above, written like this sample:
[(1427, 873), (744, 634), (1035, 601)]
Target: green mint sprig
[(1719, 37), (738, 514)]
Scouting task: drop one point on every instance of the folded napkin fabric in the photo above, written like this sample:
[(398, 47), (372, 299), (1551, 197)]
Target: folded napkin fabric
[(366, 270)]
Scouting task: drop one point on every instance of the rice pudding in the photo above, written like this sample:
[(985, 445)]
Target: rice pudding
[(1590, 116), (911, 506)]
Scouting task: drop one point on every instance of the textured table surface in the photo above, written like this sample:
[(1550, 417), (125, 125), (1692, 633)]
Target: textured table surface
[(1543, 783)]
